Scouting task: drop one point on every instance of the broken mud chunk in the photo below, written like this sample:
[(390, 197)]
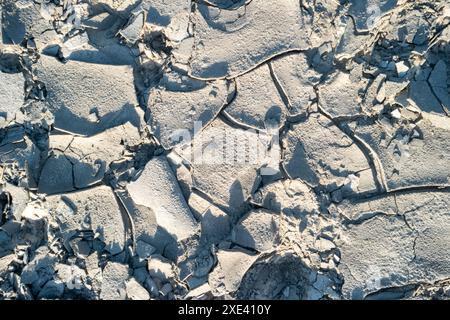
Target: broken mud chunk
[(19, 199), (40, 269), (411, 27), (257, 103), (378, 263), (96, 21), (231, 42), (340, 97), (225, 163), (395, 251), (279, 276), (161, 13), (161, 268), (95, 209), (81, 248), (170, 21), (22, 19), (85, 160), (116, 5), (288, 197), (438, 77), (357, 210), (104, 47), (132, 30), (224, 149), (114, 280), (367, 13), (375, 93), (135, 291), (56, 175), (227, 4), (216, 225), (5, 261), (53, 289), (36, 113), (202, 292), (19, 157), (231, 268), (198, 204), (351, 42), (157, 188), (1, 25), (258, 230), (438, 81), (144, 225), (144, 250), (297, 79), (75, 90), (6, 242), (420, 93), (72, 277), (12, 94), (34, 225), (319, 153), (181, 109), (402, 69), (405, 154)]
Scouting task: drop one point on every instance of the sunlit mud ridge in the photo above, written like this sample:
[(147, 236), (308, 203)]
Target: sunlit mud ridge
[(224, 149)]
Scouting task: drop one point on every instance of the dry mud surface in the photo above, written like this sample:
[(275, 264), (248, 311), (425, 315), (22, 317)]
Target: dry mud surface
[(224, 149)]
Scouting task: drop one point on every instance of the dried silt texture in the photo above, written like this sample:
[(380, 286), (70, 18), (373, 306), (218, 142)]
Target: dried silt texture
[(235, 149)]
